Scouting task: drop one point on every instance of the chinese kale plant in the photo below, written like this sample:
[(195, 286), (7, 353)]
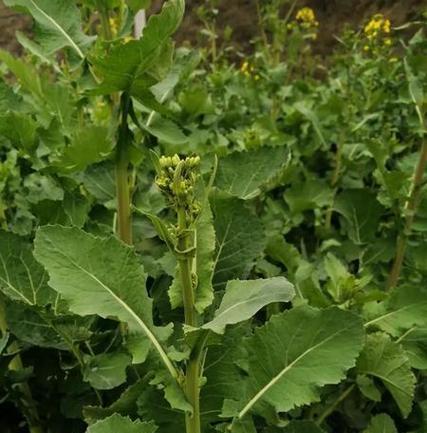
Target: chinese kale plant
[(144, 293)]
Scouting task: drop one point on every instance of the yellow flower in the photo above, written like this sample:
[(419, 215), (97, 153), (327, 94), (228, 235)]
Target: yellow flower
[(306, 15), (113, 26), (244, 67), (378, 25)]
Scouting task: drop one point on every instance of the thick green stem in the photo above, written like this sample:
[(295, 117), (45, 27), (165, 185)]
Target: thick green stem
[(192, 392), (29, 406), (410, 210), (105, 20), (185, 243), (124, 214), (192, 374), (124, 207)]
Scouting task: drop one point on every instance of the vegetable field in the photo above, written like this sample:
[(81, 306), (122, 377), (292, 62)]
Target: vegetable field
[(196, 239)]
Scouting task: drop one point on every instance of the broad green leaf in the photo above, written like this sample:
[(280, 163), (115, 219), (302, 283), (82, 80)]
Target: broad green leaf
[(414, 341), (88, 145), (126, 64), (99, 180), (58, 24), (223, 377), (45, 329), (204, 260), (107, 370), (240, 239), (361, 212), (406, 308), (21, 277), (307, 112), (381, 424), (416, 92), (296, 353), (99, 276), (24, 72), (40, 188), (368, 388), (120, 424), (311, 194), (242, 299), (243, 174), (9, 100), (165, 130), (387, 361), (302, 427), (20, 129)]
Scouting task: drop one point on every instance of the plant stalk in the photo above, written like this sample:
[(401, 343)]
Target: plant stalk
[(185, 243), (410, 211), (124, 208), (29, 405), (192, 374)]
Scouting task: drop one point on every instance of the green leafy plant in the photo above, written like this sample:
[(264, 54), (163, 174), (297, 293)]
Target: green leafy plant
[(238, 282)]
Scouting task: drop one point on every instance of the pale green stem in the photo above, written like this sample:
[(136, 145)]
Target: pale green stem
[(410, 210)]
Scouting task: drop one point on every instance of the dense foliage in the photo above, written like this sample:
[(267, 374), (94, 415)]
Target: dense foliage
[(204, 241)]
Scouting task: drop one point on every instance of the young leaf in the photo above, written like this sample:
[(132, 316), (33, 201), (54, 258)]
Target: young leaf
[(58, 24), (99, 276), (296, 353), (414, 341), (385, 360), (107, 370), (381, 424), (243, 174), (242, 299), (117, 423), (21, 277)]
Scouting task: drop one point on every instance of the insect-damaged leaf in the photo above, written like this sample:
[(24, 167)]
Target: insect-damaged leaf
[(296, 353), (384, 359), (242, 299), (99, 276)]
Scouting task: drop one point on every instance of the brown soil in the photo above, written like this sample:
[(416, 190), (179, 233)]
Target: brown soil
[(241, 16)]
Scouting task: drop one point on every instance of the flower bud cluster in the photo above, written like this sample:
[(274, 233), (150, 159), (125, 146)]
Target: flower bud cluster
[(177, 180)]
